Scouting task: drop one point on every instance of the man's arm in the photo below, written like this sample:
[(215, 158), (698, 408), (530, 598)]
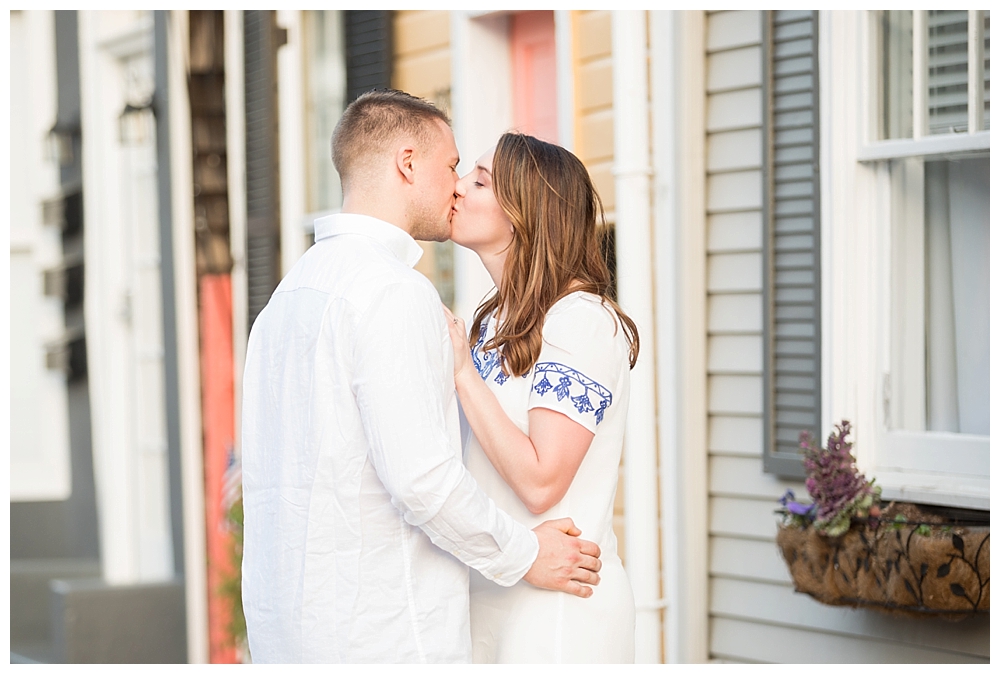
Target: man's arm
[(399, 378)]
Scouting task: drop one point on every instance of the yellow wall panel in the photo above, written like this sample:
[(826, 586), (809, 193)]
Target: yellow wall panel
[(423, 75), (604, 182), (594, 118), (420, 31), (593, 36), (597, 137), (594, 85)]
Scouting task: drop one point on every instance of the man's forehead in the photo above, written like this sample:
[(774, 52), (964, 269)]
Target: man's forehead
[(448, 138)]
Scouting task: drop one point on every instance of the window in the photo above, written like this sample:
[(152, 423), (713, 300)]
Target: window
[(931, 76), (928, 146)]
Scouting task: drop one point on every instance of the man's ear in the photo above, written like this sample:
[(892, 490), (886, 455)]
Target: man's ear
[(404, 162)]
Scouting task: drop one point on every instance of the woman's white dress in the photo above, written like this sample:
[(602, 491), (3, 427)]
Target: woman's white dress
[(582, 372)]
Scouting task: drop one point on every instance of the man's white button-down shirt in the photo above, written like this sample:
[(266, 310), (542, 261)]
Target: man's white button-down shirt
[(359, 512)]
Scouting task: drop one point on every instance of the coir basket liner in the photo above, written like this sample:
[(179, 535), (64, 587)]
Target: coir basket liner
[(915, 569)]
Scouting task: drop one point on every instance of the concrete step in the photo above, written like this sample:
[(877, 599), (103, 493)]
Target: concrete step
[(31, 602)]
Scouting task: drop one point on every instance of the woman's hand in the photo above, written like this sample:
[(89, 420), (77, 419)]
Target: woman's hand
[(460, 343)]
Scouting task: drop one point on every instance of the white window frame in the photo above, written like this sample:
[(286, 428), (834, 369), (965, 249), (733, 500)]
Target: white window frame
[(865, 302)]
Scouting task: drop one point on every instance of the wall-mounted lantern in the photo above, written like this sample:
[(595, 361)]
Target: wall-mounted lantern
[(59, 143), (136, 123)]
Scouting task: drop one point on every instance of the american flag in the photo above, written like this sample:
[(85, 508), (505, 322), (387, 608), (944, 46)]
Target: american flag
[(232, 483)]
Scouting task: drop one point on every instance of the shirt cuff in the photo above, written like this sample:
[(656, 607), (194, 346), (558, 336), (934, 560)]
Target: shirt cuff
[(515, 560)]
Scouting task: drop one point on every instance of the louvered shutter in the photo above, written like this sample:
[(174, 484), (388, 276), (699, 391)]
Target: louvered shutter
[(948, 70), (368, 47), (263, 225), (791, 237)]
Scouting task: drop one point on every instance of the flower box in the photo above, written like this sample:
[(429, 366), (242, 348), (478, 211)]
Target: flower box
[(911, 567), (845, 549)]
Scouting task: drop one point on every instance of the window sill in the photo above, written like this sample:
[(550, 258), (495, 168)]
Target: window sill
[(934, 489), (928, 146)]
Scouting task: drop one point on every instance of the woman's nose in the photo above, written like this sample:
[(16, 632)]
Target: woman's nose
[(460, 187)]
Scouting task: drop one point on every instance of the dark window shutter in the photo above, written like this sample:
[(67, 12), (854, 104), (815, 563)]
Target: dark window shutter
[(948, 71), (368, 47), (261, 41), (791, 237)]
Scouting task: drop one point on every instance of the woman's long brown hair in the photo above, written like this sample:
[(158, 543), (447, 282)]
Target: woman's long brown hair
[(547, 194)]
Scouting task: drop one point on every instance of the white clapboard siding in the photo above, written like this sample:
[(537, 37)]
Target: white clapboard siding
[(734, 69), (744, 476), (734, 394), (734, 232), (738, 272), (743, 517), (755, 615), (734, 354), (748, 641), (737, 191), (741, 436), (729, 30), (749, 559), (732, 110), (734, 150), (734, 314), (767, 603)]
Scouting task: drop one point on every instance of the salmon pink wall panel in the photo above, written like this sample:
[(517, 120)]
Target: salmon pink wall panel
[(533, 50)]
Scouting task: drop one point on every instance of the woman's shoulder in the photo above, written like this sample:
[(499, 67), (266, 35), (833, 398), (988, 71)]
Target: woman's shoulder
[(581, 307), (582, 316)]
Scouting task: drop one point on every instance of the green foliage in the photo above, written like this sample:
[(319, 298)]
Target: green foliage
[(231, 587)]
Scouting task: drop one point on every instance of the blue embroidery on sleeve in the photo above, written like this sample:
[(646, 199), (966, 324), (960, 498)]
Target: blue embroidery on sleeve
[(599, 414), (570, 379), (582, 403), (486, 361), (562, 390)]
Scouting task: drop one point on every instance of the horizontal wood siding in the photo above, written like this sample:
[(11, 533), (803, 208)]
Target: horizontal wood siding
[(594, 115), (755, 614), (422, 67)]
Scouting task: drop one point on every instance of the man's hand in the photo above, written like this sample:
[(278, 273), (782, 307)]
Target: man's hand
[(565, 562)]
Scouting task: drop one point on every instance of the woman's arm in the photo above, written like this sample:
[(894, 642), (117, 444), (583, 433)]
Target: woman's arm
[(539, 466)]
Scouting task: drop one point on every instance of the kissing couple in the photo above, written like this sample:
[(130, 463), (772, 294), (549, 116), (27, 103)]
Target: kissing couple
[(361, 517)]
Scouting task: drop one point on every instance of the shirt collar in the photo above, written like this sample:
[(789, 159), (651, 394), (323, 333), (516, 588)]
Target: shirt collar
[(395, 239)]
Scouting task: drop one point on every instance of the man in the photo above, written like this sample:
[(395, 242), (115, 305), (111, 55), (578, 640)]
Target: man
[(360, 518)]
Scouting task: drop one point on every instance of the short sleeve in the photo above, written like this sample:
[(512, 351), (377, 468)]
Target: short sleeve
[(579, 366)]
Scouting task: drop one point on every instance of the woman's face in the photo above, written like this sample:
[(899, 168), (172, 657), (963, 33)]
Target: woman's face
[(477, 221)]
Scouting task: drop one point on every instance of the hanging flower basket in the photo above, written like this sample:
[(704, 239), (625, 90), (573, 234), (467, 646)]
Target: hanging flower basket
[(844, 549), (904, 567)]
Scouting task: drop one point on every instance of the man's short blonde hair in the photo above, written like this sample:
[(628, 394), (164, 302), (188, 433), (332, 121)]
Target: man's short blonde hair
[(373, 121)]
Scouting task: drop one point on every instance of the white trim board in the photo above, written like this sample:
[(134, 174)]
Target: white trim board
[(481, 111), (927, 146)]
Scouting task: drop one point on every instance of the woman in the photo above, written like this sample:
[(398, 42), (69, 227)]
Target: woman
[(545, 391)]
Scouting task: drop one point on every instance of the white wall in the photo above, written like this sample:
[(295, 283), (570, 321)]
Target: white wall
[(123, 299), (39, 433), (755, 615)]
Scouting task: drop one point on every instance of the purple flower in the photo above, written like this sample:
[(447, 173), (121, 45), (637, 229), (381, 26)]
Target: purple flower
[(799, 508), (832, 477), (794, 507)]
